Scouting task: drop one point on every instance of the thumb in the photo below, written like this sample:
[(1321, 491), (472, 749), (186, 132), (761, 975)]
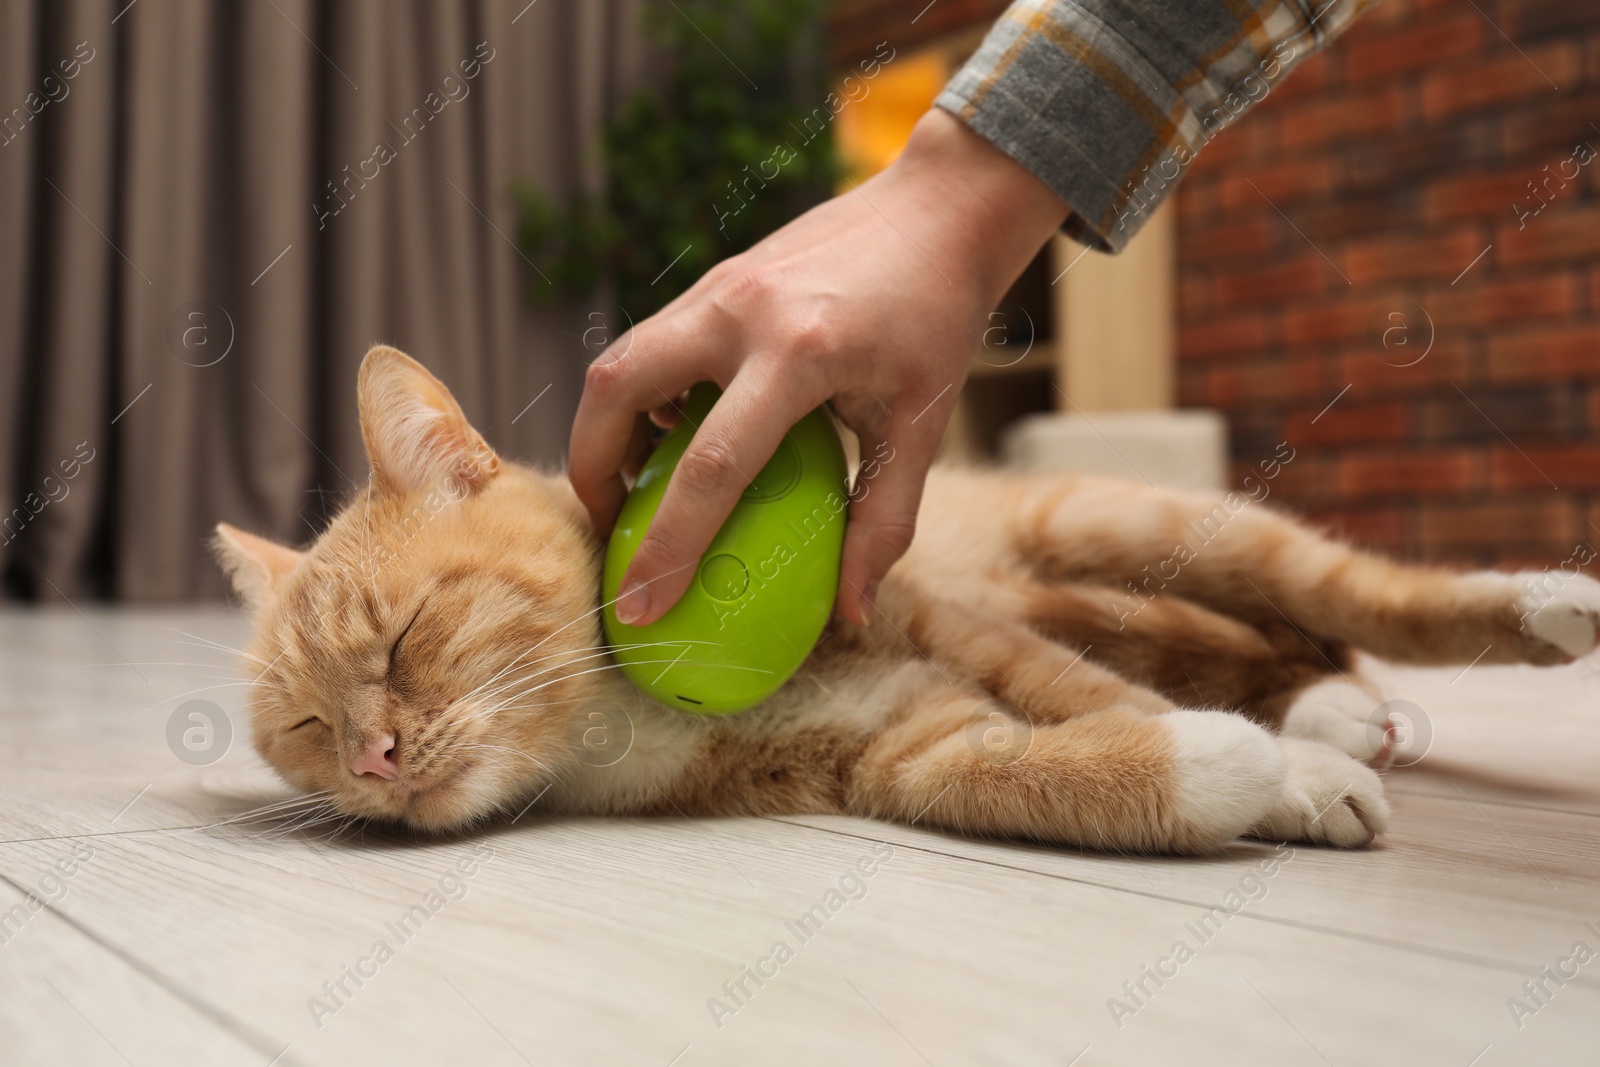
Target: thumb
[(883, 518)]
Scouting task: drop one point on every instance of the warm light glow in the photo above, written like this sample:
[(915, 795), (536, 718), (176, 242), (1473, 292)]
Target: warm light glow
[(873, 128)]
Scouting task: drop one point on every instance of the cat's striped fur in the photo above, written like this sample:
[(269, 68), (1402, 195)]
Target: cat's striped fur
[(1006, 687)]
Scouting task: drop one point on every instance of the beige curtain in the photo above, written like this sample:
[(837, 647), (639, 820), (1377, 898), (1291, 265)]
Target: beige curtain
[(184, 296)]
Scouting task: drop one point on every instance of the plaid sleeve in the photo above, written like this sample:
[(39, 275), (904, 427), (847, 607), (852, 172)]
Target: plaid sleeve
[(1108, 101)]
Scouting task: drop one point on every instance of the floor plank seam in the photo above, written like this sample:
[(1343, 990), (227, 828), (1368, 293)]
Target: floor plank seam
[(1492, 962), (237, 1028), (1495, 803)]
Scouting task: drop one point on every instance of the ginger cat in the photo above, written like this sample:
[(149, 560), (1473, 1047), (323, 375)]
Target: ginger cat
[(435, 658)]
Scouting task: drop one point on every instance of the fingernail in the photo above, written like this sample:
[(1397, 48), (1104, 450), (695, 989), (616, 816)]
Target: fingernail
[(869, 601), (633, 603)]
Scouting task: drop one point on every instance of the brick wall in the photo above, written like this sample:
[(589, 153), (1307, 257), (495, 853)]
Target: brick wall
[(1320, 236)]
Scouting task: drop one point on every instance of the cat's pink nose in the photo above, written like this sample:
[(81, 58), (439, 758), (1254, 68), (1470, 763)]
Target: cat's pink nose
[(378, 759)]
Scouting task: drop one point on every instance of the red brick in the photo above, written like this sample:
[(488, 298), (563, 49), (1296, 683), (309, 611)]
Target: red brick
[(1428, 256), (1432, 40), (1341, 117), (1522, 413), (1499, 80), (1305, 481), (1560, 467), (1238, 142), (1244, 334), (1197, 201), (1254, 434), (1276, 185), (1491, 302), (1404, 179), (1345, 424), (1388, 15), (1247, 237), (1353, 214), (1558, 122), (1389, 161), (1525, 19), (1193, 385), (1554, 352), (1476, 195), (1278, 381), (1369, 367), (1557, 234), (1313, 77), (1294, 276), (1194, 294), (1544, 524), (1411, 472), (1386, 530), (1327, 322)]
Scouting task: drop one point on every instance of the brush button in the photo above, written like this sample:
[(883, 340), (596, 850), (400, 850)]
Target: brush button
[(778, 477), (724, 577)]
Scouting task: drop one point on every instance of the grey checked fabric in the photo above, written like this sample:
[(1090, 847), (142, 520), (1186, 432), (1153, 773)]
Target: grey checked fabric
[(1109, 101)]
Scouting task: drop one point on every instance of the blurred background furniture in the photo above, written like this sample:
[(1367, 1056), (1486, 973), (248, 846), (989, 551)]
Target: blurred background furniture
[(1083, 339)]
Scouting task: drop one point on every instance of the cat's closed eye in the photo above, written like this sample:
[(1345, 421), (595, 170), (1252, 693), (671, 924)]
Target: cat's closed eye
[(394, 649), (306, 722)]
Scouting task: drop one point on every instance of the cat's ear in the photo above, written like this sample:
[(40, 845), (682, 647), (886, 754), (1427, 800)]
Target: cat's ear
[(255, 565), (415, 433)]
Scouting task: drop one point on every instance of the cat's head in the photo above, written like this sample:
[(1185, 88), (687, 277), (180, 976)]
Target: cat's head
[(419, 662)]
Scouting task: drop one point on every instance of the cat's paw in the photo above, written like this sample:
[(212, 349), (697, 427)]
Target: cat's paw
[(1561, 609), (1328, 799), (1230, 774), (1340, 714)]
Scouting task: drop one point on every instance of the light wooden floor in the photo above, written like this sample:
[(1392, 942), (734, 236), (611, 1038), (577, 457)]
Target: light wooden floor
[(183, 939)]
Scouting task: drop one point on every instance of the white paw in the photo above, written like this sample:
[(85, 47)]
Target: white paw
[(1230, 774), (1329, 799), (1561, 609), (1340, 714)]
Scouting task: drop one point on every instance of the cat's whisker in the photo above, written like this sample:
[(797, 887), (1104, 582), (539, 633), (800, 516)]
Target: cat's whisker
[(641, 645), (366, 531), (299, 822), (208, 646), (191, 692), (206, 642), (312, 815), (164, 663), (608, 603), (487, 697), (541, 764), (277, 809), (617, 666), (501, 673), (231, 679), (524, 678), (600, 649)]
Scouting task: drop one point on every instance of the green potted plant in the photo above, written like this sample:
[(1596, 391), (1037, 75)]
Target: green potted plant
[(729, 147)]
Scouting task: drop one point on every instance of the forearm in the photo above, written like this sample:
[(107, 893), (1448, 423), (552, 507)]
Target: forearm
[(995, 213), (1107, 102)]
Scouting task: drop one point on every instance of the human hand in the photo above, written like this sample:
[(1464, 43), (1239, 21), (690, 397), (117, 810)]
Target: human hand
[(874, 300)]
